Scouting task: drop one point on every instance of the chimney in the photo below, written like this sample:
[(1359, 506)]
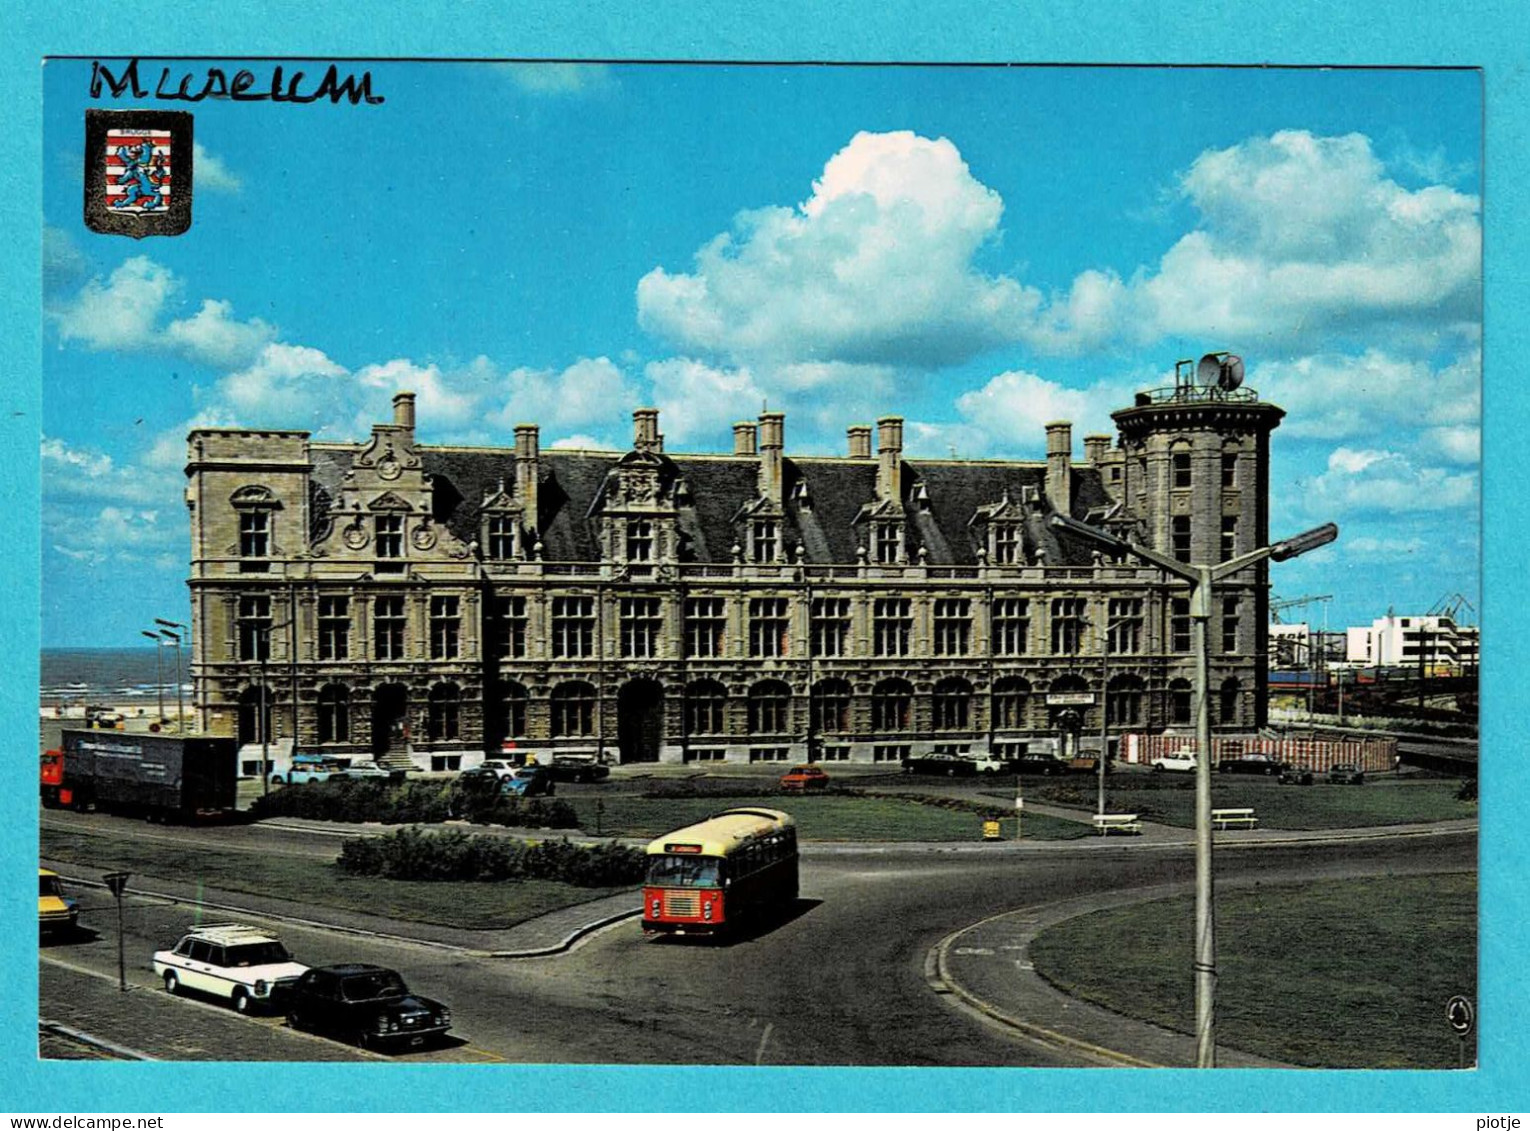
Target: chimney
[(1059, 466), (527, 468), (860, 441), (645, 430), (743, 438), (772, 440), (1095, 449), (890, 458), (403, 410)]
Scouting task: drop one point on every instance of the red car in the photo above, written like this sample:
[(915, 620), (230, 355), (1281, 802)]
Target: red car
[(800, 779)]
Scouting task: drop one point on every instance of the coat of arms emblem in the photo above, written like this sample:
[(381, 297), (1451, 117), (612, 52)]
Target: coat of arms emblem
[(138, 172)]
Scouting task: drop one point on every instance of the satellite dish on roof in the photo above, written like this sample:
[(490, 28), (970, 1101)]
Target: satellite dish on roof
[(1232, 373), (1224, 370), (1209, 371)]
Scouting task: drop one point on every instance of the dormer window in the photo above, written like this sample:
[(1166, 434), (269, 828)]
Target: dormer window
[(764, 537), (889, 542), (639, 540), (499, 537), (390, 535), (1006, 543)]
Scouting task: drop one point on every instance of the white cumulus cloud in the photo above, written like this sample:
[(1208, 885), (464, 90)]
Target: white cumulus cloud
[(698, 402), (875, 267), (214, 336), (119, 312), (592, 392), (211, 173)]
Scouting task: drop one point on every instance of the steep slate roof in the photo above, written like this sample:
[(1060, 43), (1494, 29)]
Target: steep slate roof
[(839, 490)]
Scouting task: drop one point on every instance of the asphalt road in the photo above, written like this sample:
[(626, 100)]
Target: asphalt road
[(840, 982)]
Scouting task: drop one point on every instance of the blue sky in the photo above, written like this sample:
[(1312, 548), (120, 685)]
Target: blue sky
[(978, 249)]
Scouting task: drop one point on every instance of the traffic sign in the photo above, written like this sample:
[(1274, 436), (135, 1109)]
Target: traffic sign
[(1458, 1011), (116, 881)]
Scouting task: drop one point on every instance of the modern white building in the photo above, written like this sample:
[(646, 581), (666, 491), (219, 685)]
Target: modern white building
[(1437, 641)]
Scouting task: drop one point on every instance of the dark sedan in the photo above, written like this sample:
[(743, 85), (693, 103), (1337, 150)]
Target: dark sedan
[(369, 1005)]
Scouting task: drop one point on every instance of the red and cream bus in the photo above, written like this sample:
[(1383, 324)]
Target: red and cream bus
[(708, 877)]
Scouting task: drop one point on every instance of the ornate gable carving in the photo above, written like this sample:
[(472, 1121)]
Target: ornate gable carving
[(389, 501)]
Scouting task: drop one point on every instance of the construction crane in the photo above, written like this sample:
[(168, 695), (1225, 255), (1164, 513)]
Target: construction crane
[(1451, 606), (1278, 606)]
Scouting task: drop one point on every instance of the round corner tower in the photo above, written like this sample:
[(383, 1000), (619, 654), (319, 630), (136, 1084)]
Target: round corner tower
[(1196, 477)]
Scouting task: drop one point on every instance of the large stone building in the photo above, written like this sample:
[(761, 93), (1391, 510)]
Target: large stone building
[(404, 599)]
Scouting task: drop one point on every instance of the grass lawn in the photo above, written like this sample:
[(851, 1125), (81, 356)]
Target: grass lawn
[(1170, 800), (475, 906), (1337, 974), (826, 817)]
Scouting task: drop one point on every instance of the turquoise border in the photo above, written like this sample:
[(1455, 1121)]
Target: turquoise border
[(1215, 31)]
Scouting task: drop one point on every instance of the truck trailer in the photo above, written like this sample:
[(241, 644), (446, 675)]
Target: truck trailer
[(149, 775)]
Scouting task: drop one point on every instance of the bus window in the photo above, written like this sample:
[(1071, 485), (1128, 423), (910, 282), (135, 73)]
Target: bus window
[(683, 871)]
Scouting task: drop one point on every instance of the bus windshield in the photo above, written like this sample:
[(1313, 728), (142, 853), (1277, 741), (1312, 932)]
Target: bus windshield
[(684, 871)]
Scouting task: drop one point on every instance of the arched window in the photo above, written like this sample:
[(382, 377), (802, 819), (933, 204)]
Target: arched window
[(831, 706), (1227, 704), (705, 703), (1123, 701), (1009, 698), (1179, 702), (334, 713), (953, 704), (443, 721), (512, 701), (768, 703), (573, 710), (891, 703)]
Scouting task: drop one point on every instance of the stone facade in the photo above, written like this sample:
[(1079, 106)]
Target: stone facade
[(430, 603)]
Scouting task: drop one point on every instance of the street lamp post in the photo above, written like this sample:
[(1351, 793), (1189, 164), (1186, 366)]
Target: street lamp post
[(180, 706), (159, 675), (1200, 578)]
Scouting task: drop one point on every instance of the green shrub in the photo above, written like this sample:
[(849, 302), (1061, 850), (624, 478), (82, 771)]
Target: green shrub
[(454, 854)]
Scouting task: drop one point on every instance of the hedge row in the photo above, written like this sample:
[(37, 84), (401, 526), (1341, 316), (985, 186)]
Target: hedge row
[(414, 854), (422, 802)]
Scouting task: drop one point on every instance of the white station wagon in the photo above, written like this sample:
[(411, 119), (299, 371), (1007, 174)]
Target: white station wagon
[(1180, 760), (246, 965)]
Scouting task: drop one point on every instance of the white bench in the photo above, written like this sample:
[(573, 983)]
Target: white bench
[(1233, 818), (1107, 823)]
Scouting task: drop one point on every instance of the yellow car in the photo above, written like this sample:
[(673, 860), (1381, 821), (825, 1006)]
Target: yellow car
[(55, 910)]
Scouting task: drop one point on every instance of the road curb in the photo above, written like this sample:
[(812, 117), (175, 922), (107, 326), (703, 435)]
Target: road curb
[(91, 1041), (559, 947), (937, 974)]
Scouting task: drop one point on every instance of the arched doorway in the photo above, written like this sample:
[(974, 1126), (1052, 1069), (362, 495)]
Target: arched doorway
[(640, 720), (1068, 698), (390, 719), (254, 724)]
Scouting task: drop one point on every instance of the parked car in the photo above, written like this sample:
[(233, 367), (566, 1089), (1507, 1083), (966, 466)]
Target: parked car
[(801, 779), (306, 769), (1290, 775), (1345, 773), (529, 781), (496, 766), (952, 765), (367, 771), (1177, 762), (1043, 764), (1249, 764), (246, 965), (369, 1005), (577, 768), (56, 912)]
